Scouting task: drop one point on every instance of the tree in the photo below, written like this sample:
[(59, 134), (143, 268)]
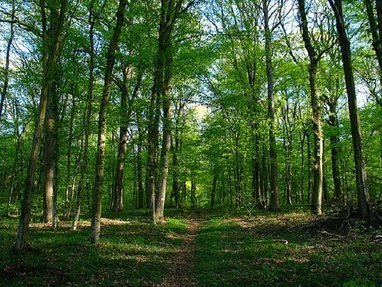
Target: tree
[(4, 90), (359, 160), (100, 163), (314, 58), (52, 30), (274, 203)]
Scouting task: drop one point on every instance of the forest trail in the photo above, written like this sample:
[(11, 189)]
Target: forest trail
[(180, 273)]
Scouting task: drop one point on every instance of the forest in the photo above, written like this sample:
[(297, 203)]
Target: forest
[(190, 143)]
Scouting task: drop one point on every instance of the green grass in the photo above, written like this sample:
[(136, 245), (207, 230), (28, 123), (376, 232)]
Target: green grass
[(275, 250), (130, 253), (232, 249)]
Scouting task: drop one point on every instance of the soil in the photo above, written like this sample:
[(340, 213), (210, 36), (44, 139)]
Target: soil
[(180, 273)]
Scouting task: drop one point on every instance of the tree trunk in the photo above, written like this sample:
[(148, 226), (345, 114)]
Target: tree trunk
[(118, 194), (274, 187), (139, 165), (4, 90), (100, 161), (193, 190), (287, 144), (170, 11), (18, 154), (335, 152), (69, 156), (256, 188), (309, 160), (302, 169), (50, 155), (213, 191), (126, 111), (316, 113), (238, 191), (288, 172), (88, 113), (359, 160), (376, 36), (175, 155), (166, 143), (52, 43)]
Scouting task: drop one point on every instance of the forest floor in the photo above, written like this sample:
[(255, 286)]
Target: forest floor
[(183, 262), (199, 248)]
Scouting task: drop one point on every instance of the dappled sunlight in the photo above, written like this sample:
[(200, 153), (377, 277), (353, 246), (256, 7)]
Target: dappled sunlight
[(273, 247)]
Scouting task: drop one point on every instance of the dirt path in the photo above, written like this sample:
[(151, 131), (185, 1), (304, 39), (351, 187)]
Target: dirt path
[(180, 272)]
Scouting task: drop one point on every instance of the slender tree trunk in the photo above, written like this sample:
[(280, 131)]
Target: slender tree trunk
[(193, 190), (238, 191), (302, 170), (166, 144), (118, 194), (153, 128), (274, 191), (213, 190), (287, 144), (18, 155), (100, 161), (139, 166), (52, 43), (256, 188), (288, 172), (375, 33), (126, 111), (309, 160), (50, 155), (69, 158), (4, 90), (88, 113), (359, 160), (335, 152), (265, 178), (175, 155), (316, 110)]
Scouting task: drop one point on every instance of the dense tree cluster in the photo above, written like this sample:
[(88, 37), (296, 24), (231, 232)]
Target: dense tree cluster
[(188, 103)]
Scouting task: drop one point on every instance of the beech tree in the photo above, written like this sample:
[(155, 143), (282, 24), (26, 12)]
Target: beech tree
[(100, 163), (359, 160), (52, 32)]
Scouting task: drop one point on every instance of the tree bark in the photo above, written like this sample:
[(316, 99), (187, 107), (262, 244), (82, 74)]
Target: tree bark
[(287, 143), (193, 190), (100, 161), (274, 187), (176, 153), (126, 111), (140, 188), (4, 90), (170, 11), (213, 190), (88, 113), (52, 44), (50, 155), (335, 152), (166, 141), (316, 113), (359, 160), (375, 33), (256, 187)]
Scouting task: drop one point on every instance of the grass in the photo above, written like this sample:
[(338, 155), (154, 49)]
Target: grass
[(280, 250), (232, 249), (131, 252)]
